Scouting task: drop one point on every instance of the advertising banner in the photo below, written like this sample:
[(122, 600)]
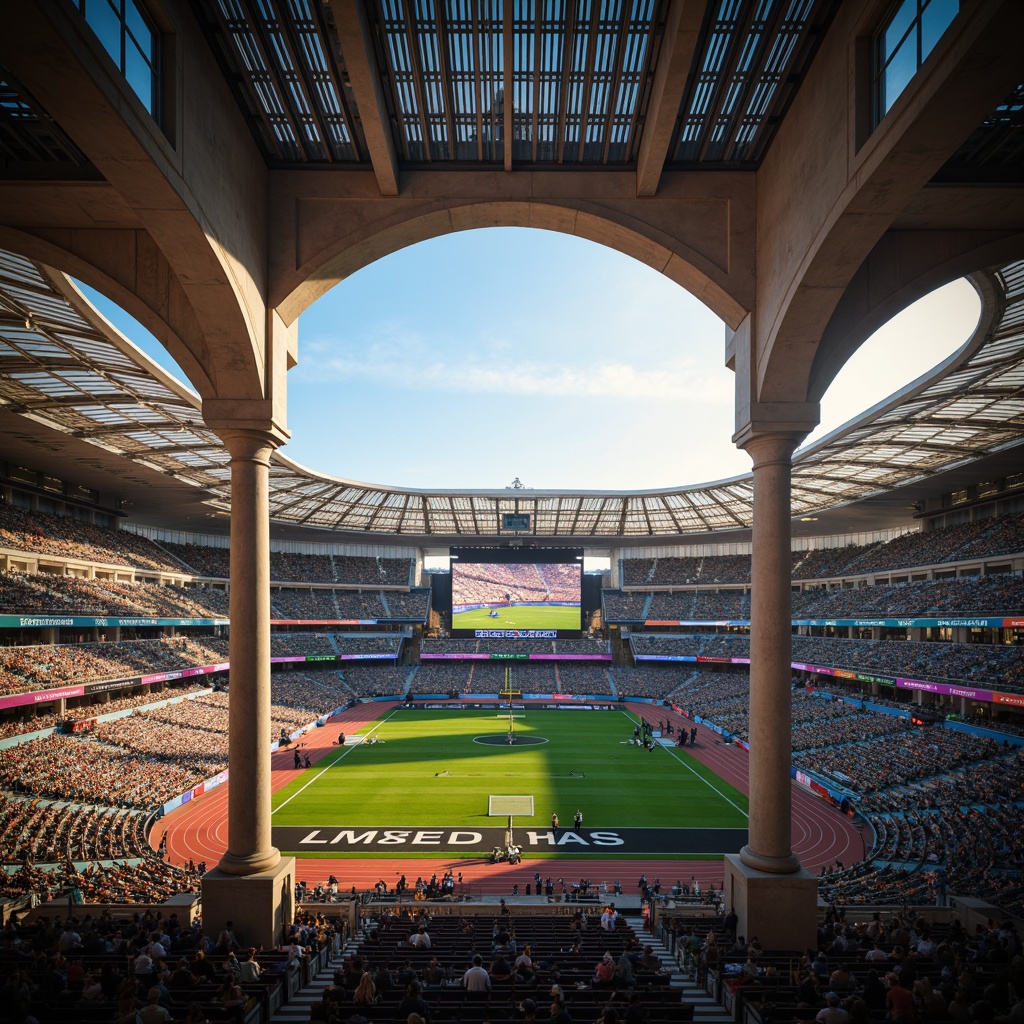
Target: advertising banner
[(945, 688), (48, 621), (41, 696)]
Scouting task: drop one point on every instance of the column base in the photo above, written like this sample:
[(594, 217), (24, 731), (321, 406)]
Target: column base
[(260, 904), (780, 910), (250, 865), (771, 865)]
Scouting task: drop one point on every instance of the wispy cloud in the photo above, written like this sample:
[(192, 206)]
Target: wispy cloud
[(414, 362)]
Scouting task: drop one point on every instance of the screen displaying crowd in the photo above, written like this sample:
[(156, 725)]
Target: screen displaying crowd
[(502, 585)]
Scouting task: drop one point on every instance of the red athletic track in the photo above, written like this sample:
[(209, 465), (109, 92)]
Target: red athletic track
[(821, 835)]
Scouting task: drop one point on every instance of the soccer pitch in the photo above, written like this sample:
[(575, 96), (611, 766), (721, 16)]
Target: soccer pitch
[(436, 769), (520, 617)]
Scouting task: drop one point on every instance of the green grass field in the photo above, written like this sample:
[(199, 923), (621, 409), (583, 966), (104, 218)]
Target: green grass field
[(401, 782), (519, 617)]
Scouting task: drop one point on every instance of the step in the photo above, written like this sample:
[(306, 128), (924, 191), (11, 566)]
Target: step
[(706, 1010), (298, 1008)]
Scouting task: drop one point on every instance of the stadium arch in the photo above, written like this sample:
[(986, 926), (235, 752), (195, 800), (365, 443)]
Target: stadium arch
[(687, 245), (197, 226)]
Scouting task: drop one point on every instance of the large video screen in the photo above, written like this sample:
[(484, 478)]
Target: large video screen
[(516, 593)]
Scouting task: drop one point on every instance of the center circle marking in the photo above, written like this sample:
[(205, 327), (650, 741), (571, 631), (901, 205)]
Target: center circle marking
[(501, 740)]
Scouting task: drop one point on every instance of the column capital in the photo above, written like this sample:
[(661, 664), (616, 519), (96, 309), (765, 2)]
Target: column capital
[(771, 449), (781, 422), (246, 445), (231, 418)]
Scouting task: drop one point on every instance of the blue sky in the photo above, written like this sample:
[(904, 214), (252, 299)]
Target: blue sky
[(478, 357)]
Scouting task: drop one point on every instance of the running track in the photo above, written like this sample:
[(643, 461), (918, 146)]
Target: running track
[(821, 835)]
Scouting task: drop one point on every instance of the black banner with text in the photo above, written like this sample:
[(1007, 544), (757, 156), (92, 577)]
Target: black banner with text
[(321, 839)]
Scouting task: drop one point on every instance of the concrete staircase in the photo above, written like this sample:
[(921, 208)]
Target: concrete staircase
[(705, 1009), (298, 1008)]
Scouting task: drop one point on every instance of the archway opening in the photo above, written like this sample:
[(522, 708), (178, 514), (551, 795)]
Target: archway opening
[(480, 357), (907, 347), (135, 332)]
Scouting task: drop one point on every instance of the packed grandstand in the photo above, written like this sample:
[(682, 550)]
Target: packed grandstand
[(806, 169), (83, 703)]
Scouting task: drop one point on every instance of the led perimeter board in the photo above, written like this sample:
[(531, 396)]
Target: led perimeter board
[(516, 593)]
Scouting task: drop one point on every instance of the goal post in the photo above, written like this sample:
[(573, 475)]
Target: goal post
[(507, 689), (504, 806)]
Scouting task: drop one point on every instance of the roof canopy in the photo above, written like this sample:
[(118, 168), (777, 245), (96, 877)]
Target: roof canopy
[(64, 369)]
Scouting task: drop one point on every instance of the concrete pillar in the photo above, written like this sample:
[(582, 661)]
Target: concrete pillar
[(771, 894), (253, 885), (769, 846), (249, 848)]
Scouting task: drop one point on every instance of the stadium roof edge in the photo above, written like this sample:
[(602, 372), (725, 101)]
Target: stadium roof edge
[(87, 399), (992, 307)]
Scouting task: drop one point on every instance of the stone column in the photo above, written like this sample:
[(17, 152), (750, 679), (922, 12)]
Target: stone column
[(249, 849), (774, 898), (769, 844), (253, 885)]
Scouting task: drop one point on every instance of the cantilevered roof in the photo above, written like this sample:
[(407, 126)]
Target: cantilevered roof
[(70, 371), (64, 369)]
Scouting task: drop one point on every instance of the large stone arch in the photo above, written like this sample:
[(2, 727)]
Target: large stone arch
[(691, 242), (170, 222), (240, 378), (861, 186)]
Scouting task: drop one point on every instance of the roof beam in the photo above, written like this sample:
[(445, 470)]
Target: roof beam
[(82, 398), (23, 364), (677, 50), (357, 49), (128, 426), (209, 452), (508, 57)]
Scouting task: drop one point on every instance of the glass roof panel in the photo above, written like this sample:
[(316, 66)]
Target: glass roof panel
[(578, 81), (750, 59), (278, 57)]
